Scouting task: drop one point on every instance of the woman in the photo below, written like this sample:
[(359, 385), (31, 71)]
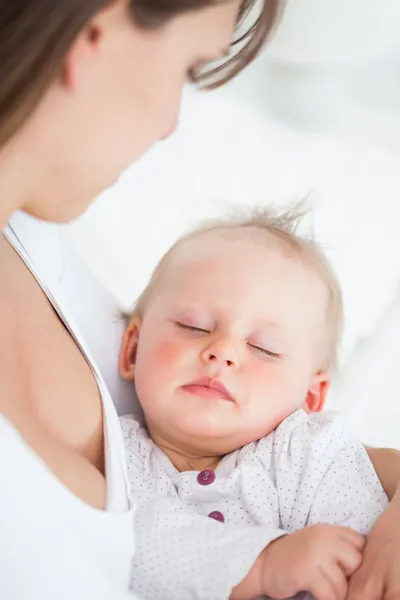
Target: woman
[(86, 88)]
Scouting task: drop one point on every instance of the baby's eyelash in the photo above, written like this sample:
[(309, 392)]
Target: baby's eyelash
[(191, 328), (264, 351), (194, 329)]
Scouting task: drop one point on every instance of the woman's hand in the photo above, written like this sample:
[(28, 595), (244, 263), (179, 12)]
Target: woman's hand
[(378, 578)]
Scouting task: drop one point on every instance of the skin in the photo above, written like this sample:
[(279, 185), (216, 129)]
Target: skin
[(321, 559), (113, 81), (118, 93), (252, 328)]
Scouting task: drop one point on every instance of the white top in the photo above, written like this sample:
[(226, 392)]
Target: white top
[(53, 545), (308, 471)]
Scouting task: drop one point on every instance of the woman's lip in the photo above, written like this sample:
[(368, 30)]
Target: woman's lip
[(209, 388)]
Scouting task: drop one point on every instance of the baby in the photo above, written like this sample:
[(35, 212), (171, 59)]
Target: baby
[(244, 487)]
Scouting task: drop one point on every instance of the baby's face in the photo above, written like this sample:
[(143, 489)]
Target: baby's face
[(229, 345)]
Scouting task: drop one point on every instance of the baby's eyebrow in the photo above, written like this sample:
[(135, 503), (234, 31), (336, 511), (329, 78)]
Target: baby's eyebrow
[(268, 324), (191, 308), (271, 332), (193, 312)]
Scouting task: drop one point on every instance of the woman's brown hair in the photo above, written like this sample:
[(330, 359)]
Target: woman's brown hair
[(35, 36)]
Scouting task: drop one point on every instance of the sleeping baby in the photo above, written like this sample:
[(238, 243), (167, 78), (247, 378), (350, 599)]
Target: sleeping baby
[(244, 486)]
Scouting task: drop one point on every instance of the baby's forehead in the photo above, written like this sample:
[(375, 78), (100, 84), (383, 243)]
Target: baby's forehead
[(218, 246), (218, 243), (257, 258)]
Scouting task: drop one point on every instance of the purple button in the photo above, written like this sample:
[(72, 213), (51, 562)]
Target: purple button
[(218, 516), (206, 477)]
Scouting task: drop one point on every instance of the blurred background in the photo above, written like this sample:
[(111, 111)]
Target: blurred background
[(318, 113)]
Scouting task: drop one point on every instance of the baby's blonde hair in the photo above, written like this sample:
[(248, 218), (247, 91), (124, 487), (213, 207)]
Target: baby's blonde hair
[(283, 227)]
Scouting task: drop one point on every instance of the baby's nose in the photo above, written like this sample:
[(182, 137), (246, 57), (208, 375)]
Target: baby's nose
[(214, 358)]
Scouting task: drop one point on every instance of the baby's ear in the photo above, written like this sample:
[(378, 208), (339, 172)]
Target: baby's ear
[(127, 355), (317, 391)]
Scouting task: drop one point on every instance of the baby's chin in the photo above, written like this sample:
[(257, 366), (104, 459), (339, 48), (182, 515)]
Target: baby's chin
[(212, 437), (203, 427)]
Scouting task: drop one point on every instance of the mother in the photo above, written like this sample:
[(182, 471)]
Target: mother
[(86, 87)]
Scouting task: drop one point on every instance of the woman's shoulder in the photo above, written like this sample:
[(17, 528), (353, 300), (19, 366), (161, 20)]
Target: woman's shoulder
[(87, 306), (37, 241)]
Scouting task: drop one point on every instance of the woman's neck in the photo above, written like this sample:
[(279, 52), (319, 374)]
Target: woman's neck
[(18, 174), (9, 197)]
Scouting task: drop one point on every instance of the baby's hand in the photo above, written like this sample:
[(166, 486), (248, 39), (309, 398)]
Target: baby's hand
[(318, 559)]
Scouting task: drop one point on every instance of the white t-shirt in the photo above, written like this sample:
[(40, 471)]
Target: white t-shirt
[(53, 545), (309, 470)]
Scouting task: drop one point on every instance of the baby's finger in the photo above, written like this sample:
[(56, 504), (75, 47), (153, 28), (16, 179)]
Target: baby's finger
[(352, 537), (329, 583), (349, 558)]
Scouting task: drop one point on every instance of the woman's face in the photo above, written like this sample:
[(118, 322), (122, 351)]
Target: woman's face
[(120, 92)]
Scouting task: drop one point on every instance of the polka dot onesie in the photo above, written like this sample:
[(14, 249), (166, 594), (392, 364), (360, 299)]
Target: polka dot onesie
[(199, 533)]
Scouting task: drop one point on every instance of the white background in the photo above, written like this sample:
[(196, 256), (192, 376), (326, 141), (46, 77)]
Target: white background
[(318, 112)]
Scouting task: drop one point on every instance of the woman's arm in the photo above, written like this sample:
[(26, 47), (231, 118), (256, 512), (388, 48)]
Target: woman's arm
[(379, 575), (387, 466)]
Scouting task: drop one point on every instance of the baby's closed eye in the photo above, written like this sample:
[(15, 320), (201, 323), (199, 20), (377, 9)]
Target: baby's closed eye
[(192, 328), (265, 351)]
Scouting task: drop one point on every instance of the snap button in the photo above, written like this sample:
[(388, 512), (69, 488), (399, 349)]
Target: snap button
[(206, 477), (218, 516)]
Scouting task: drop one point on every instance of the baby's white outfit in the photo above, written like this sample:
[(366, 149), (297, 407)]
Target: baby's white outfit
[(199, 533)]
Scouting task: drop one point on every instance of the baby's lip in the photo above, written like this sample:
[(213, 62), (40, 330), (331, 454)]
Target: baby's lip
[(213, 384)]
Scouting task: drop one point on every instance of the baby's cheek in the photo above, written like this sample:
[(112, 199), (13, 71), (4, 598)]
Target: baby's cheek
[(160, 358), (155, 371), (167, 353), (272, 395)]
